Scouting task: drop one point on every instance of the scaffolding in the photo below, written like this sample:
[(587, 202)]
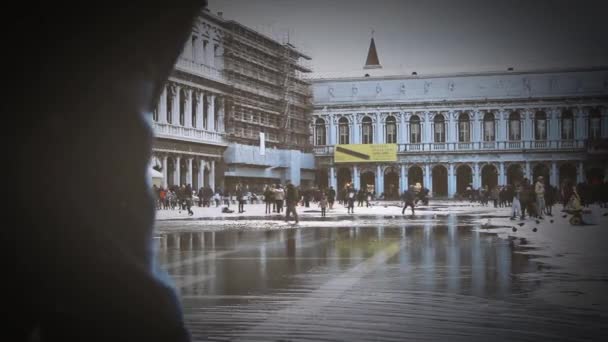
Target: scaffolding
[(266, 91)]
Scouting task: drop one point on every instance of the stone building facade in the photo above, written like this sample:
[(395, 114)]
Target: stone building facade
[(230, 84), (455, 130)]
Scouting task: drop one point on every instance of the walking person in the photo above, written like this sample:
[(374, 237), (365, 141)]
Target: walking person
[(408, 198), (323, 204), (350, 200), (494, 195), (539, 190), (331, 197), (240, 197), (268, 199), (292, 197), (188, 199), (516, 207), (279, 197)]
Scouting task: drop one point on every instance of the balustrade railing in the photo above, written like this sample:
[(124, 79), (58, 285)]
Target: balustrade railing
[(199, 69), (187, 133)]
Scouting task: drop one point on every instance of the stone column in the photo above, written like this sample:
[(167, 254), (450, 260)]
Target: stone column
[(402, 131), (502, 178), (331, 140), (502, 129), (176, 104), (220, 115), (381, 183), (553, 179), (187, 53), (199, 110), (476, 176), (332, 177), (354, 132), (580, 173), (451, 181), (211, 113), (165, 173), (403, 178), (201, 173), (189, 172), (162, 106), (212, 176), (176, 174), (379, 134), (356, 177), (188, 109), (528, 172), (211, 53), (377, 180), (428, 177)]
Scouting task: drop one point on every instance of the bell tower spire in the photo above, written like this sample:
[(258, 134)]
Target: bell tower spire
[(372, 61)]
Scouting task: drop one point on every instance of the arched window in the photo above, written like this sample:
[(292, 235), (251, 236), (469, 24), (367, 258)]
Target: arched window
[(320, 132), (595, 125), (488, 127), (415, 129), (464, 128), (567, 125), (391, 130), (182, 108), (343, 131), (367, 130), (540, 126), (169, 106), (514, 127), (439, 128)]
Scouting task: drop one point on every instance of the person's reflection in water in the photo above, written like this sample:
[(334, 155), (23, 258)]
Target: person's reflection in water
[(85, 260)]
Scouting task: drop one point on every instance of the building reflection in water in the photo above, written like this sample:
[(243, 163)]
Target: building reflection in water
[(449, 256)]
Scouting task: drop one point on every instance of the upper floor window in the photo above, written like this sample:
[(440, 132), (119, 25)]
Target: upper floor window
[(155, 114), (182, 107), (540, 126), (595, 125), (193, 109), (415, 130), (439, 123), (320, 132), (206, 111), (488, 127), (464, 128), (343, 131), (391, 130), (514, 126), (367, 130), (567, 125)]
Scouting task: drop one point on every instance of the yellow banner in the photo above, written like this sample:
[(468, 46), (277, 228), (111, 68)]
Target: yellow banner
[(365, 153)]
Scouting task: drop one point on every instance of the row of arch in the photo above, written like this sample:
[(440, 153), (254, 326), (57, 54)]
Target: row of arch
[(514, 128), (439, 177)]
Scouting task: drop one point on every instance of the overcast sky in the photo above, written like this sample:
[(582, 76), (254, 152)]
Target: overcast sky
[(434, 36)]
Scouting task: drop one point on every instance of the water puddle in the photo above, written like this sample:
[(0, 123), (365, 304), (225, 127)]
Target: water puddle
[(439, 280)]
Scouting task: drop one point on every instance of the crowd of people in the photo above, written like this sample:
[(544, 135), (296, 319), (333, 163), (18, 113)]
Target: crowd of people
[(525, 198)]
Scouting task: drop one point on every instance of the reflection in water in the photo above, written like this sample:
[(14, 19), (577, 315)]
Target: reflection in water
[(442, 282)]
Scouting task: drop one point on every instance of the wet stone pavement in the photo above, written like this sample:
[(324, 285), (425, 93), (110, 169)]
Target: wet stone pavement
[(437, 280)]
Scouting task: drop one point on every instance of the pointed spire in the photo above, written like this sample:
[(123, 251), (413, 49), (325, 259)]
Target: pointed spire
[(372, 61)]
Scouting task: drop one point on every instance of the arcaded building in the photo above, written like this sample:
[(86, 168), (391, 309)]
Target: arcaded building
[(449, 131), (236, 109)]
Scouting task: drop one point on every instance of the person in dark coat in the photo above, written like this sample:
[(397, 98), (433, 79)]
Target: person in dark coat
[(292, 197), (83, 269), (408, 197), (331, 197)]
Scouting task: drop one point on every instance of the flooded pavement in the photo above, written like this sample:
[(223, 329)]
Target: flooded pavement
[(439, 280)]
